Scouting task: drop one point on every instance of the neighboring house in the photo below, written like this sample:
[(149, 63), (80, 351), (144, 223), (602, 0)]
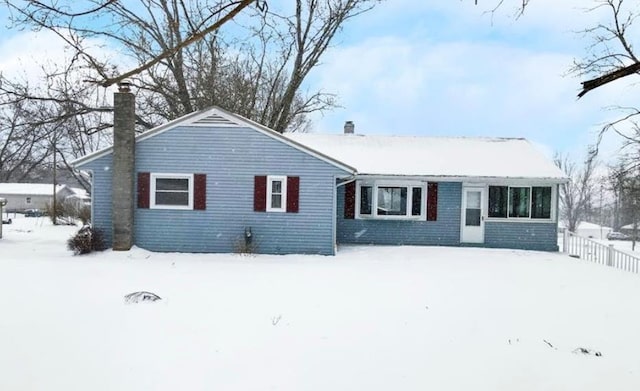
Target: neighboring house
[(630, 229), (205, 180), (590, 230), (23, 196)]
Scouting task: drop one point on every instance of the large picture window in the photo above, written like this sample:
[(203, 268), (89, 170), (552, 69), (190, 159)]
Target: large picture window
[(172, 191), (520, 202), (386, 200)]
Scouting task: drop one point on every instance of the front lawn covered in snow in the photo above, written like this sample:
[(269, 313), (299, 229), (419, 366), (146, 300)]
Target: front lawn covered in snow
[(370, 318)]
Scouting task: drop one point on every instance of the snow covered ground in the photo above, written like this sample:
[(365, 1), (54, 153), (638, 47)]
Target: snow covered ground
[(370, 318)]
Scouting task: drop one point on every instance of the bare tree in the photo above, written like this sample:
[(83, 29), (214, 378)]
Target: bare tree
[(75, 27), (575, 195), (183, 61)]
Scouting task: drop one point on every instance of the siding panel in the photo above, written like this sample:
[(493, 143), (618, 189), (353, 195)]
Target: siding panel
[(444, 231), (522, 235), (230, 158)]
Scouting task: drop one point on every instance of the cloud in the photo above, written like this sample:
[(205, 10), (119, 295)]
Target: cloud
[(450, 68)]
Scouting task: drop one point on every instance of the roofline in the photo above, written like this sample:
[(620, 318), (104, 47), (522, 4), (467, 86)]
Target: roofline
[(245, 121), (461, 178), (280, 137)]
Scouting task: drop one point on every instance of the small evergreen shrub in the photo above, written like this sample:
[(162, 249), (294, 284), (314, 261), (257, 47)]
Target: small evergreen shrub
[(86, 240)]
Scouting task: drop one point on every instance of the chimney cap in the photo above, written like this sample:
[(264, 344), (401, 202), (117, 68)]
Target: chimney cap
[(349, 127), (124, 86)]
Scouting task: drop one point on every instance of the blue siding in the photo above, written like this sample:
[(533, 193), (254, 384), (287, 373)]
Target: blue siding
[(445, 231), (101, 195), (526, 236), (230, 157)]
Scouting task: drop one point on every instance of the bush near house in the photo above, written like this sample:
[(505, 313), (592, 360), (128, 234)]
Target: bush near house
[(86, 240)]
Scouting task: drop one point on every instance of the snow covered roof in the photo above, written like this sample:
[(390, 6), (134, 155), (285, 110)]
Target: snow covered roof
[(28, 188), (586, 226), (434, 156)]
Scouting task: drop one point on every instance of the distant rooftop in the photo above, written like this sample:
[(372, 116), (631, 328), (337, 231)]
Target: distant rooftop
[(28, 188), (434, 156)]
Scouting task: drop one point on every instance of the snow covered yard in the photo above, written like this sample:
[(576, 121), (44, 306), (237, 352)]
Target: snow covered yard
[(371, 318)]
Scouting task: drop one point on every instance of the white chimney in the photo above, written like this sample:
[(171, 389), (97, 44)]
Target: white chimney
[(349, 127)]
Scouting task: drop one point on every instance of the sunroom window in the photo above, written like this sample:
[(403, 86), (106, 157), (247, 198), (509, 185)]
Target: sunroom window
[(540, 202), (520, 202), (390, 200)]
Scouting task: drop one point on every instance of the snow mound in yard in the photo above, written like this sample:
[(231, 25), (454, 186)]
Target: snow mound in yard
[(371, 318)]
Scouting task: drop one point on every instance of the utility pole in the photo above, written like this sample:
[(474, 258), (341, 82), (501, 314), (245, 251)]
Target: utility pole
[(55, 184)]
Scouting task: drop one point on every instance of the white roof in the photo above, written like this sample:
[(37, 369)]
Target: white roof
[(434, 156), (586, 225), (28, 188)]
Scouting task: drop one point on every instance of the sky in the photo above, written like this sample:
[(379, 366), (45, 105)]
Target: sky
[(450, 68), (447, 68)]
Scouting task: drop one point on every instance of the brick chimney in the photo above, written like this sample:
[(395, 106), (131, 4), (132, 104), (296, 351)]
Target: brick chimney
[(122, 188), (349, 127)]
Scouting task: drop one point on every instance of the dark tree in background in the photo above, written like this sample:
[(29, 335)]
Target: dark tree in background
[(182, 56)]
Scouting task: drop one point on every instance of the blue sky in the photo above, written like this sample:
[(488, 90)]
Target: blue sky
[(450, 68), (447, 67)]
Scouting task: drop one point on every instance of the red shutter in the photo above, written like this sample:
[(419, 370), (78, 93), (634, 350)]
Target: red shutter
[(199, 191), (260, 193), (144, 189), (432, 201), (293, 193), (350, 200)]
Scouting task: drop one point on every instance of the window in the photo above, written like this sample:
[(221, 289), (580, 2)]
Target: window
[(392, 201), (498, 201), (520, 202), (387, 200), (365, 200), (28, 200), (416, 201), (172, 191), (540, 202), (276, 193)]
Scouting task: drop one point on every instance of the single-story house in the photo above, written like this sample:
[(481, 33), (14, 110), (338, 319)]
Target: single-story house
[(213, 181), (590, 230), (23, 196)]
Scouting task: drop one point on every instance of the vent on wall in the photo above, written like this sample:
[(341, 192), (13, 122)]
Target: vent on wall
[(215, 120)]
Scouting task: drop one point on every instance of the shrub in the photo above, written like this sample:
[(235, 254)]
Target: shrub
[(68, 211), (86, 240)]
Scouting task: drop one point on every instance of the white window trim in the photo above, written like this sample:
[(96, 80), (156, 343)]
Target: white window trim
[(283, 205), (554, 206), (386, 183), (152, 192)]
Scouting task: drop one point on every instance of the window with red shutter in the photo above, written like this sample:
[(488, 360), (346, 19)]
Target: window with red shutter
[(432, 201), (350, 200), (144, 187), (260, 193), (293, 194), (199, 191)]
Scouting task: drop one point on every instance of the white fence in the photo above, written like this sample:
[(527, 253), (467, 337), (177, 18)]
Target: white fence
[(590, 250)]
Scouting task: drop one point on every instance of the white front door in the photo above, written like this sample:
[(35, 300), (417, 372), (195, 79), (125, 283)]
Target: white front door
[(472, 215)]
